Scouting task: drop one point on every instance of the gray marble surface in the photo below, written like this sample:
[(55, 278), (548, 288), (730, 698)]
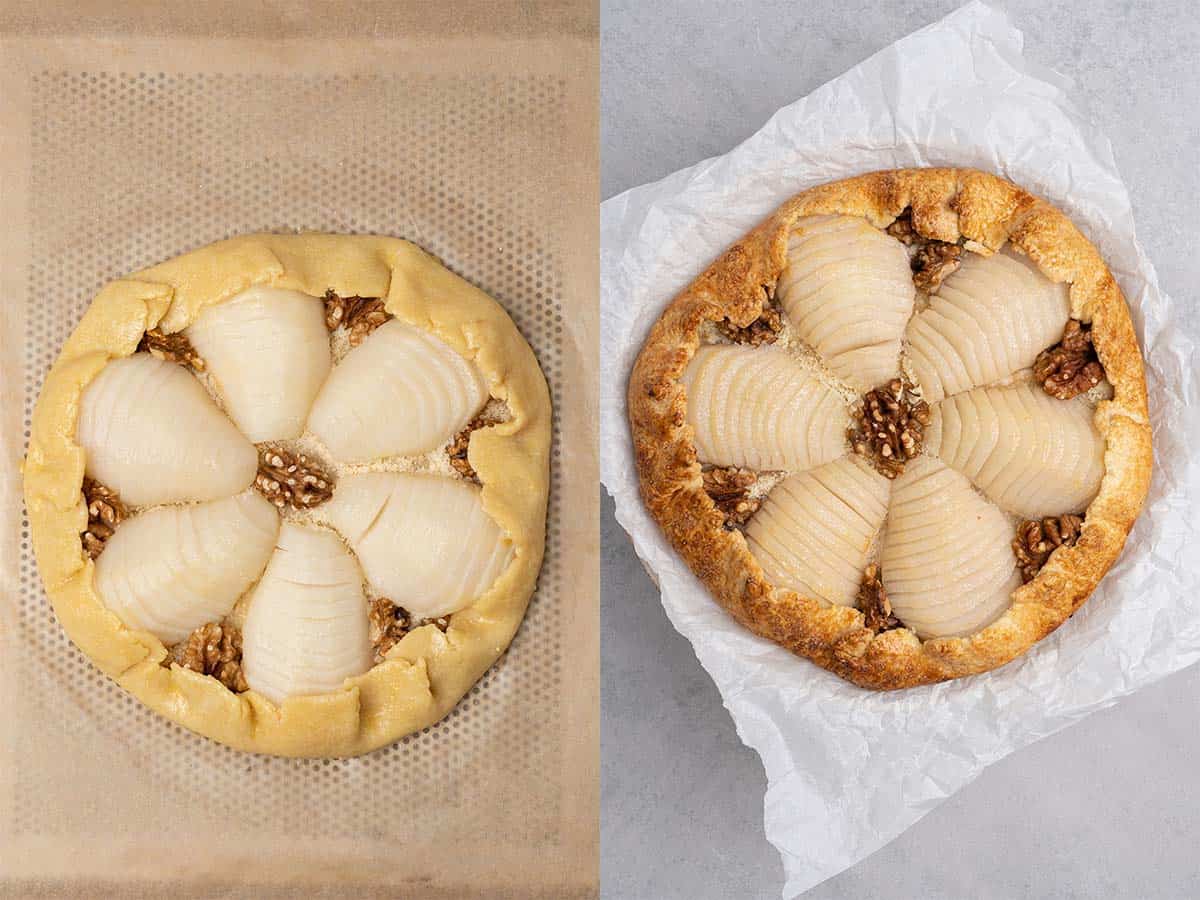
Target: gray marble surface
[(1106, 808)]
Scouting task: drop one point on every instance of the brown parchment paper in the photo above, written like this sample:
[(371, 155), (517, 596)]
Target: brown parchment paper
[(131, 134)]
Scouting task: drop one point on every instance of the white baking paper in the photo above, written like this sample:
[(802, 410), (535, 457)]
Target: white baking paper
[(848, 770)]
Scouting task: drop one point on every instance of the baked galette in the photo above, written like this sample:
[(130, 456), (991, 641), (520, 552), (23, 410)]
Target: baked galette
[(900, 428), (290, 490)]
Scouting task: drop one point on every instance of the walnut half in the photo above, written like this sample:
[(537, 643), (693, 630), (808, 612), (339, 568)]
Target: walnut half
[(891, 426), (873, 601), (1037, 539), (763, 330), (105, 511), (457, 449), (291, 479), (174, 348), (729, 487), (213, 649), (933, 262), (902, 228), (388, 623), (1071, 366), (359, 315)]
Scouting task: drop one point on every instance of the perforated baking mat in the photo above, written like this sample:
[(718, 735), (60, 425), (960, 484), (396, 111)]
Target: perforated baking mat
[(124, 151)]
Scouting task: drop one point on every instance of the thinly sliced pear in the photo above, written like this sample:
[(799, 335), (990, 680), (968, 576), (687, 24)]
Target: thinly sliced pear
[(758, 407), (848, 290), (152, 434), (946, 559), (1033, 455), (172, 569), (401, 392), (989, 320), (814, 531), (424, 541), (306, 631), (267, 350)]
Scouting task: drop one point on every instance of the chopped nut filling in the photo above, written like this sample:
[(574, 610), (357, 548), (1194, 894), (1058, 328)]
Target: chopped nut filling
[(902, 229), (389, 623), (1036, 540), (174, 348), (1071, 366), (763, 330), (729, 487), (873, 601), (359, 315), (891, 426), (291, 479), (933, 262), (105, 511), (213, 649), (457, 449)]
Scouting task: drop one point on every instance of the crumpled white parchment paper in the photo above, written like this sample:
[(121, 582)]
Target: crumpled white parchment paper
[(849, 770)]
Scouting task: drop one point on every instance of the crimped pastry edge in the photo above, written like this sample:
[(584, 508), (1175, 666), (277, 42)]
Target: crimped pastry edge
[(947, 204)]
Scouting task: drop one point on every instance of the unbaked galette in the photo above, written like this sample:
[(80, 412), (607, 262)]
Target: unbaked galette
[(900, 428), (290, 491)]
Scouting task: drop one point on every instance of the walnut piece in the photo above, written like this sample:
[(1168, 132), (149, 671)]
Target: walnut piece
[(291, 479), (763, 330), (1037, 539), (891, 426), (389, 623), (457, 448), (729, 487), (1071, 366), (933, 262), (105, 511), (174, 348), (214, 649), (873, 601), (902, 229), (359, 315)]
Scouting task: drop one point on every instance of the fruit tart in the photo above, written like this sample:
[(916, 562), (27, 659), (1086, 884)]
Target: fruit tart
[(290, 490), (899, 428)]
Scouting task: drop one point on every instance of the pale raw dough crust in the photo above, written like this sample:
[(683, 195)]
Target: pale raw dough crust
[(946, 204), (428, 671)]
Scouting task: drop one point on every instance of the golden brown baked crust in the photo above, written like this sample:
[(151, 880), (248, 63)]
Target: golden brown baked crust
[(426, 673), (946, 204)]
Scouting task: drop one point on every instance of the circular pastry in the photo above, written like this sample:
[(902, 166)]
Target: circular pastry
[(899, 428), (290, 490)]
